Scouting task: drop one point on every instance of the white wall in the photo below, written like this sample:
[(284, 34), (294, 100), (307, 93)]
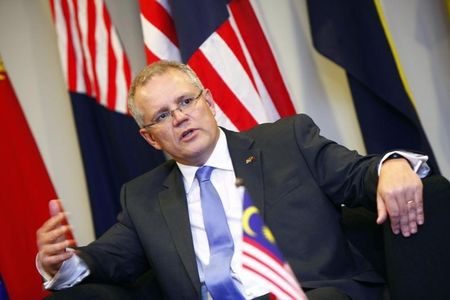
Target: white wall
[(318, 87), (421, 34), (420, 30)]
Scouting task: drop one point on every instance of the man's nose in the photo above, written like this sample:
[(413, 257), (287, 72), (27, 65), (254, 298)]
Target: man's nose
[(178, 116)]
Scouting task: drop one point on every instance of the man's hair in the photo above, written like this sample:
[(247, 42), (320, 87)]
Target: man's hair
[(156, 68)]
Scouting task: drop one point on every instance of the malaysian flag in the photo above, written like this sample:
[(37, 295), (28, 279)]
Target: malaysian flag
[(225, 44), (261, 258), (98, 77)]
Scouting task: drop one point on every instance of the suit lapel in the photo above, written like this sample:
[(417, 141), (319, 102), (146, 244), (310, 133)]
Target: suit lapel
[(247, 164), (174, 208)]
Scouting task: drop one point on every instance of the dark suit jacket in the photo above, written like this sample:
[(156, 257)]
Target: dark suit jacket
[(298, 180)]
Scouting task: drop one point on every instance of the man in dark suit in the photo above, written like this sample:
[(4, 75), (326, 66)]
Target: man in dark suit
[(297, 178)]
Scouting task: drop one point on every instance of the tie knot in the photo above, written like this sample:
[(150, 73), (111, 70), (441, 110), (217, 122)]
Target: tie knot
[(204, 173)]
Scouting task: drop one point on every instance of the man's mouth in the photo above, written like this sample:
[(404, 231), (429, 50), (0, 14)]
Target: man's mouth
[(187, 133)]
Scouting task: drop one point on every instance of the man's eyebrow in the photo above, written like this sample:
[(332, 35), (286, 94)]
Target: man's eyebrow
[(187, 95), (159, 110), (176, 101)]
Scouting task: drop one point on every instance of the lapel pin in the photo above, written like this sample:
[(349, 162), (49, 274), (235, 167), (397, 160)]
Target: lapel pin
[(250, 159)]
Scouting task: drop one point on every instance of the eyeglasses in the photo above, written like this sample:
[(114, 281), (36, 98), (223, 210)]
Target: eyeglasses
[(186, 106)]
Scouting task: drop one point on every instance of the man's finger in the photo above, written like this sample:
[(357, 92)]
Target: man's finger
[(412, 216), (418, 199), (55, 235), (53, 222), (54, 206), (394, 215), (54, 249), (404, 217), (381, 209), (58, 234), (55, 260)]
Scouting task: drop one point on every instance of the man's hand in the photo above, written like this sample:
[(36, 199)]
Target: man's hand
[(400, 196), (51, 240)]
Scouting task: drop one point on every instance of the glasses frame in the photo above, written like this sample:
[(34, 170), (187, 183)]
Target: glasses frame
[(179, 108)]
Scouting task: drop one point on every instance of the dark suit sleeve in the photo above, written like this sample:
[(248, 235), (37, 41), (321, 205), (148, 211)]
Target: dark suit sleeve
[(117, 256), (344, 175)]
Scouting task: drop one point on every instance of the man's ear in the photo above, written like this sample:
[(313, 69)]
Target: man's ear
[(210, 101), (149, 138)]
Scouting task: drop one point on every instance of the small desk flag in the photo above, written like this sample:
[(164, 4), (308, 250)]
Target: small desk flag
[(262, 259)]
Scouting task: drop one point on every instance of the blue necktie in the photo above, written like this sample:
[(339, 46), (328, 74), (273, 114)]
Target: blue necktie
[(218, 278)]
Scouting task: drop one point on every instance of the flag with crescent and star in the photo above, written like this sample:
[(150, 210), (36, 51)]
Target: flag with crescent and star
[(262, 259)]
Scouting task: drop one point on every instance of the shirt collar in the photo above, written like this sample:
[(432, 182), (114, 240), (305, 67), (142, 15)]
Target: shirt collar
[(220, 159)]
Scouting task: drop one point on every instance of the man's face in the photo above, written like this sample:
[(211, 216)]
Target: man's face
[(188, 137)]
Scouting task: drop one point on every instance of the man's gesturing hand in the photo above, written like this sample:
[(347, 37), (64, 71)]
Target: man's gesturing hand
[(51, 240)]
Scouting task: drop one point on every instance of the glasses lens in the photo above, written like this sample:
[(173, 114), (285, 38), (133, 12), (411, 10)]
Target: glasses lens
[(184, 107)]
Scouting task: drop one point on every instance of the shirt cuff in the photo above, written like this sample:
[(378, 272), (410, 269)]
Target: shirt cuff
[(417, 161), (72, 271)]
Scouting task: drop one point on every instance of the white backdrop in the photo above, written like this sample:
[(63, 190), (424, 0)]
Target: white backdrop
[(420, 29)]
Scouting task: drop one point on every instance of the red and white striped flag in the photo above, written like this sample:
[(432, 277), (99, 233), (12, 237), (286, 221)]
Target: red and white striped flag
[(226, 46), (92, 56), (158, 29), (98, 78)]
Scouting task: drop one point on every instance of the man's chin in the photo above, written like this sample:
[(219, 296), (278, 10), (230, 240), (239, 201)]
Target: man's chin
[(195, 158)]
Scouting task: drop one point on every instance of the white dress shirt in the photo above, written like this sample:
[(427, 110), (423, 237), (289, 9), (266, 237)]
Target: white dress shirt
[(224, 181)]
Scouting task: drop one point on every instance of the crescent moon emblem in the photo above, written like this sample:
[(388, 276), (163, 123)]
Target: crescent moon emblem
[(246, 220)]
